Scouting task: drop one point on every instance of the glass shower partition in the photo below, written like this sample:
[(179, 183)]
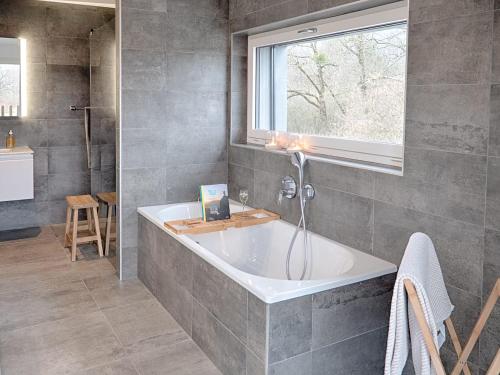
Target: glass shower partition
[(102, 108)]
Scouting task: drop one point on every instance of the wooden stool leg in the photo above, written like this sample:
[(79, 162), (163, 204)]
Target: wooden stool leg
[(97, 231), (108, 229), (75, 235), (89, 220), (68, 226), (495, 365)]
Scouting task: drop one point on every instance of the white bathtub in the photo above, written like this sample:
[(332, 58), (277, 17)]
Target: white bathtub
[(255, 256)]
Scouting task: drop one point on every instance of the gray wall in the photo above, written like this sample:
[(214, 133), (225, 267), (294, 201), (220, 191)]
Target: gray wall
[(451, 183), (58, 61), (173, 106)]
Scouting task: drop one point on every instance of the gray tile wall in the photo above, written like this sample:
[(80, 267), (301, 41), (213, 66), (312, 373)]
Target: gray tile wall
[(58, 76), (243, 335), (173, 109), (451, 183)]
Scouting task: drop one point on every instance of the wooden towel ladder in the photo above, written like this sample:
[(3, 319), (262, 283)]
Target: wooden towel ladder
[(463, 354)]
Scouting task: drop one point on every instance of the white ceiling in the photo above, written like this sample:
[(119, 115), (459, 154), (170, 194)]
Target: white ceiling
[(96, 3)]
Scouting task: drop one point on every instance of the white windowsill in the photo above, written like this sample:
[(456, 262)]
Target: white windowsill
[(330, 160)]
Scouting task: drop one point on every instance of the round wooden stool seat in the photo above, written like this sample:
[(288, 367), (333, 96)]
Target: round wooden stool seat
[(83, 234)]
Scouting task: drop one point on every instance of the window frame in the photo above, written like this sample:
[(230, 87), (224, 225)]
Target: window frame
[(386, 154)]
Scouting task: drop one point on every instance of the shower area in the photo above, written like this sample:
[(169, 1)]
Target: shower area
[(98, 115), (101, 112)]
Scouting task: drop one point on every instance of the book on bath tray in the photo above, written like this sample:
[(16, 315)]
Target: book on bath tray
[(214, 202)]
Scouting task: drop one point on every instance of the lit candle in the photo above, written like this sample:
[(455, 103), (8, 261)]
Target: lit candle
[(294, 143), (273, 142)]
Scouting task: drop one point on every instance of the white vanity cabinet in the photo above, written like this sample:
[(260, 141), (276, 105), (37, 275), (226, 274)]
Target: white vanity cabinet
[(16, 174)]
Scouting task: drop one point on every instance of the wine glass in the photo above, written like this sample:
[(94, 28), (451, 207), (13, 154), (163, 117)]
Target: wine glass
[(244, 197)]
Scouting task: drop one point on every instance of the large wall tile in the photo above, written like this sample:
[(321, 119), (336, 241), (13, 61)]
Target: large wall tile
[(67, 78), (73, 21), (494, 144), (352, 310), (31, 133), (290, 328), (464, 316), (205, 109), (143, 71), (66, 132), (434, 10), (141, 142), (188, 33), (209, 8), (257, 327), (317, 5), (241, 156), (23, 214), (218, 343), (462, 172), (491, 261), (144, 187), (63, 184), (68, 51), (174, 259), (344, 357), (446, 201), (495, 69), (145, 30), (448, 117), (342, 217), (197, 72), (71, 159), (176, 299), (147, 268), (280, 11), (459, 245), (145, 109), (493, 194), (346, 179), (240, 8), (184, 180), (184, 149), (456, 50), (220, 295)]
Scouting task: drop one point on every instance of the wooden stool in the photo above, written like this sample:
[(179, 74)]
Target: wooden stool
[(109, 200), (92, 233)]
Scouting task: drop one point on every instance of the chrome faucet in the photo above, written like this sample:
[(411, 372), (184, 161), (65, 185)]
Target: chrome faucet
[(289, 187)]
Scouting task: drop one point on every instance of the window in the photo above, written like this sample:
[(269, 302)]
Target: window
[(12, 54), (339, 85)]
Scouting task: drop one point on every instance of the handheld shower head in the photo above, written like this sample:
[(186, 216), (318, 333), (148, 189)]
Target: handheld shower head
[(299, 159)]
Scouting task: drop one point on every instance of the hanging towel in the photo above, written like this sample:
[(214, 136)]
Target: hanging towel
[(421, 266)]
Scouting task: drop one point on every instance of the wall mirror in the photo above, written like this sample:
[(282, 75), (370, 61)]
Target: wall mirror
[(12, 76)]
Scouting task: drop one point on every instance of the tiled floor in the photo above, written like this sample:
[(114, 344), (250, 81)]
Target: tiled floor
[(58, 317)]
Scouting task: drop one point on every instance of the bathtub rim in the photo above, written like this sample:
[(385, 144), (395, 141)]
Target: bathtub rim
[(281, 290)]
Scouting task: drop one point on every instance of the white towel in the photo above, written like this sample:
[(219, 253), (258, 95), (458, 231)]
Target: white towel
[(420, 265)]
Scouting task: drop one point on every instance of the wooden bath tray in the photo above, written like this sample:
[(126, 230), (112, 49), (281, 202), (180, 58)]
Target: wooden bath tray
[(237, 220)]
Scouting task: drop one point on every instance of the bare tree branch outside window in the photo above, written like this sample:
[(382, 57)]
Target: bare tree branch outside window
[(349, 86)]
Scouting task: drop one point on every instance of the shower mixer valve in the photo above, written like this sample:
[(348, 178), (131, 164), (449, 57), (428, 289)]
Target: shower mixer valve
[(289, 190)]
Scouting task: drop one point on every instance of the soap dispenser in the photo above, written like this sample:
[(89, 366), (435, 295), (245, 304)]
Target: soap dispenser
[(10, 141)]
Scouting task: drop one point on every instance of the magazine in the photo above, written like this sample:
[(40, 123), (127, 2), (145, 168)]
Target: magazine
[(215, 202)]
